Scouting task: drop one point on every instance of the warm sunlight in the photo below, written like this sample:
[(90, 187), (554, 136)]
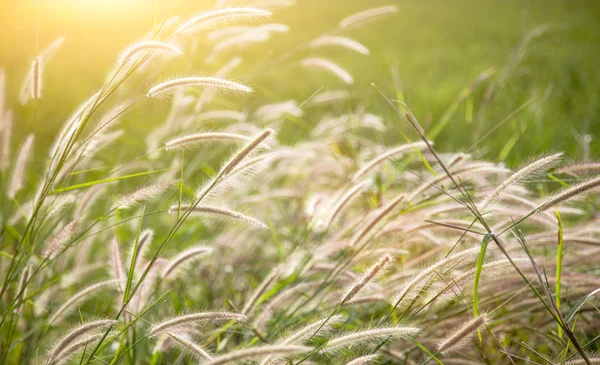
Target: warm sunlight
[(269, 182)]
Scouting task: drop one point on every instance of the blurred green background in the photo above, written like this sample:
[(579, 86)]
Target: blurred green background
[(434, 48)]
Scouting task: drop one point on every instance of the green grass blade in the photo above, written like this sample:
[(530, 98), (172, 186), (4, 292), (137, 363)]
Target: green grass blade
[(103, 181), (134, 255), (559, 256), (579, 304), (478, 268)]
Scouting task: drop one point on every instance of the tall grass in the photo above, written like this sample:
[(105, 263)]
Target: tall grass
[(366, 253)]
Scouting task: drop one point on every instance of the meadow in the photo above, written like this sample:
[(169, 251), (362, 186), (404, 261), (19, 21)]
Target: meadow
[(281, 182)]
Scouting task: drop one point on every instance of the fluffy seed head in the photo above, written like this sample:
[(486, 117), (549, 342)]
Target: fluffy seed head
[(36, 82), (367, 277), (73, 348), (258, 351), (423, 276), (337, 41), (191, 139), (16, 183), (22, 289), (375, 334), (218, 211), (197, 351), (579, 168), (197, 82), (260, 291), (222, 16), (33, 81), (145, 193), (329, 66), (148, 46), (76, 333), (454, 339), (363, 360), (190, 319), (364, 17), (378, 218), (569, 193), (539, 165), (400, 150), (60, 239), (78, 297), (184, 257), (244, 152)]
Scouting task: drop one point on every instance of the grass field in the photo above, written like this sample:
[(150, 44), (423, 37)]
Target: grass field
[(185, 182), (437, 48)]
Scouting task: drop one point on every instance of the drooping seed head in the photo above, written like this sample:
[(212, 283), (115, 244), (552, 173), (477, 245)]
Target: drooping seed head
[(197, 82)]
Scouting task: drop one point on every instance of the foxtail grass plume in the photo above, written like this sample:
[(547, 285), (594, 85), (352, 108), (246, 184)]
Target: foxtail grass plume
[(539, 165), (194, 349), (88, 198), (69, 130), (6, 124), (149, 46), (60, 239), (387, 209), (337, 41), (331, 67), (489, 268), (278, 110), (191, 139), (329, 97), (579, 168), (212, 115), (236, 30), (191, 319), (78, 297), (375, 334), (183, 258), (343, 201), (422, 277), (244, 152), (258, 351), (400, 150), (241, 40), (75, 334), (143, 194), (100, 140), (208, 94), (74, 348), (197, 82), (363, 360), (212, 18), (593, 361), (260, 290), (22, 289), (200, 210), (16, 183), (367, 277), (304, 334), (142, 247), (36, 81), (455, 338), (569, 193), (31, 87), (232, 32), (367, 16), (236, 177), (116, 264)]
